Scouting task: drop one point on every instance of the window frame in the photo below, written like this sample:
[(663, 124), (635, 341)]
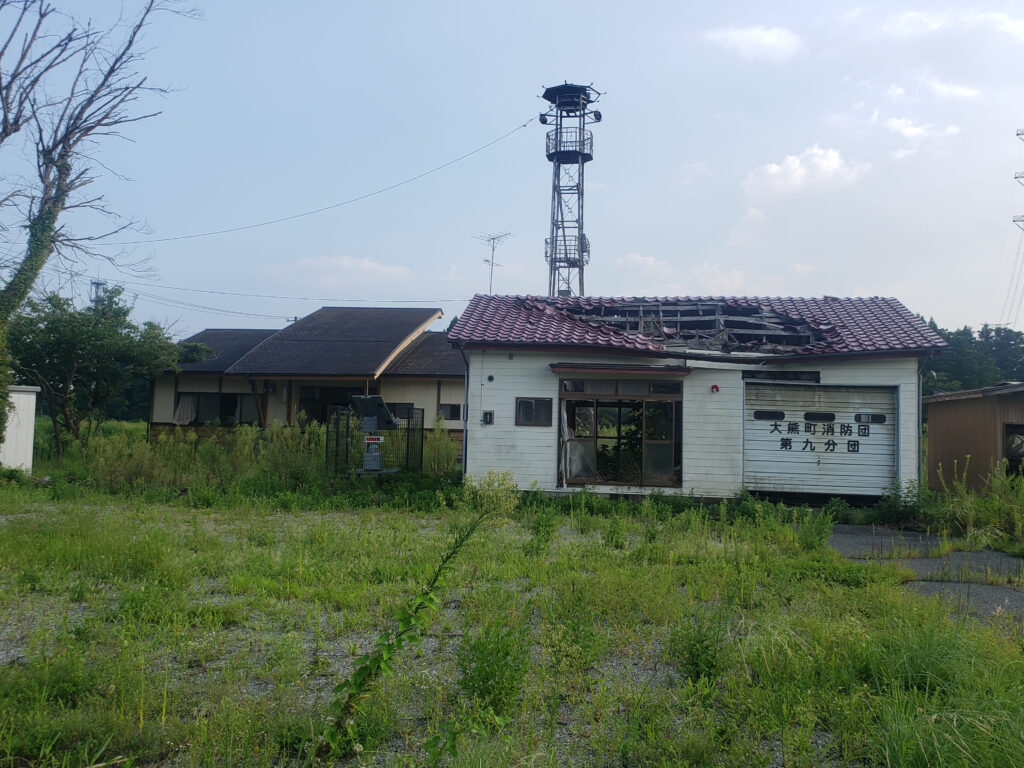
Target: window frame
[(455, 408), (535, 423)]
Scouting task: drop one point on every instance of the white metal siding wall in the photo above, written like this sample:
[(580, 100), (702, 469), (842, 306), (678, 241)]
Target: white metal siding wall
[(712, 421), (529, 453), (897, 372), (19, 438), (712, 432), (797, 454)]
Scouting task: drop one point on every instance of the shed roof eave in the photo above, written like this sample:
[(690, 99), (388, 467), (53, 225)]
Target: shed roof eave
[(971, 394)]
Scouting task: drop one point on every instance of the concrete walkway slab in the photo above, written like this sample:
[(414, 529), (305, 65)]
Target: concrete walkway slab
[(980, 584)]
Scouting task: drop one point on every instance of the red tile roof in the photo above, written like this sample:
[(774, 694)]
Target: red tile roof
[(533, 320), (841, 325)]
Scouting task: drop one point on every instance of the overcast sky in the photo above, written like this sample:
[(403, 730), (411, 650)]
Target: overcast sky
[(747, 148)]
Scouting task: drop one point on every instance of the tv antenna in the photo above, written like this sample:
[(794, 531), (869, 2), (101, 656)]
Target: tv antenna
[(494, 240)]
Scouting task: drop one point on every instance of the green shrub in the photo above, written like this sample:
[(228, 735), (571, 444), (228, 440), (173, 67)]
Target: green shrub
[(813, 529), (695, 644), (615, 533), (543, 527), (839, 508), (492, 664), (900, 504), (440, 453)]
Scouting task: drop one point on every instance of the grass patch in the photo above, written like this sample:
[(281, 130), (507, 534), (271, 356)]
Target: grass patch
[(580, 631)]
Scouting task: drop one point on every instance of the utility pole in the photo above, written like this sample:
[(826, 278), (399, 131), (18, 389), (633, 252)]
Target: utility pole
[(494, 239)]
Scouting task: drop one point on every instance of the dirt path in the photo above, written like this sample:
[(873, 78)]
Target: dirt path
[(980, 584)]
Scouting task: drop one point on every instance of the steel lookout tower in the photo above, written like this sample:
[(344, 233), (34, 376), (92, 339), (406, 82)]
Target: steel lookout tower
[(570, 146)]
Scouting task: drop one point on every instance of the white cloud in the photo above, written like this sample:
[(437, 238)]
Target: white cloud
[(1008, 24), (775, 43), (895, 92), (951, 90), (907, 128), (913, 131), (914, 23), (812, 167)]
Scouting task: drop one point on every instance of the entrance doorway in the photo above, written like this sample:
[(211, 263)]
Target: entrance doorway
[(621, 433)]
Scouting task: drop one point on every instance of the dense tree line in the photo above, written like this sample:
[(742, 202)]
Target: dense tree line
[(975, 359)]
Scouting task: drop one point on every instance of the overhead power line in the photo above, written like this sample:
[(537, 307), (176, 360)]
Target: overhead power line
[(322, 209), (360, 300), (322, 299)]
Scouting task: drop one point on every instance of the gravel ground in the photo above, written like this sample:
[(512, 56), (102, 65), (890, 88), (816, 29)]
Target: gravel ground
[(978, 583)]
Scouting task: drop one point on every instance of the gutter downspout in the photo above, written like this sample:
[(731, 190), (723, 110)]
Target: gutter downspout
[(465, 411)]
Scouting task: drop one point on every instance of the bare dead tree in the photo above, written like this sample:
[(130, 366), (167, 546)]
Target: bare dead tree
[(96, 72)]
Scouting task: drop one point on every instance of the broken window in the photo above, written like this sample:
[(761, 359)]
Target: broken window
[(621, 440)]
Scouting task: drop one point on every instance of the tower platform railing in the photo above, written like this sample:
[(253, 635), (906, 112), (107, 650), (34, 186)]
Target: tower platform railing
[(570, 141)]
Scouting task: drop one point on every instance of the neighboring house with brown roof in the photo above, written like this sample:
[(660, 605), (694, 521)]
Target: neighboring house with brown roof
[(704, 395), (321, 360)]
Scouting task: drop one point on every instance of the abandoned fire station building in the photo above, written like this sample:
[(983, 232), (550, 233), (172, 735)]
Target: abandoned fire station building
[(705, 395)]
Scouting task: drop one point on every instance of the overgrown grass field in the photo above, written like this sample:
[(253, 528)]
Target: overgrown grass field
[(171, 631)]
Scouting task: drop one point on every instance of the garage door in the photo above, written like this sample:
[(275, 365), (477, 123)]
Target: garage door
[(815, 439)]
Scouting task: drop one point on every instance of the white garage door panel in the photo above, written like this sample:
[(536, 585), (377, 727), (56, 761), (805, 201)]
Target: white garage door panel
[(797, 455)]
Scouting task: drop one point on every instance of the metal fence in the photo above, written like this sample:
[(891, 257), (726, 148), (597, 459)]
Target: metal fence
[(354, 443)]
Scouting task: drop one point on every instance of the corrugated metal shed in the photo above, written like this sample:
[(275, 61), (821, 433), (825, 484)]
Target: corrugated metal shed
[(968, 431)]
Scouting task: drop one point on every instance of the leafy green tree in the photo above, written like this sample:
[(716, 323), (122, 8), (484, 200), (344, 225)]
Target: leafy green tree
[(1006, 347), (83, 358), (63, 86), (966, 364)]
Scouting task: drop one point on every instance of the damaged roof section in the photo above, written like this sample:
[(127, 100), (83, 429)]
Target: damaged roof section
[(679, 326), (703, 324)]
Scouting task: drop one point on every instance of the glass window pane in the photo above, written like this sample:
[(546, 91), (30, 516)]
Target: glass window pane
[(209, 409), (247, 413), (633, 387), (524, 414), (601, 386), (581, 460), (658, 420), (573, 385), (658, 468), (666, 387), (607, 420), (582, 420), (607, 460), (632, 421), (228, 409), (542, 411)]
